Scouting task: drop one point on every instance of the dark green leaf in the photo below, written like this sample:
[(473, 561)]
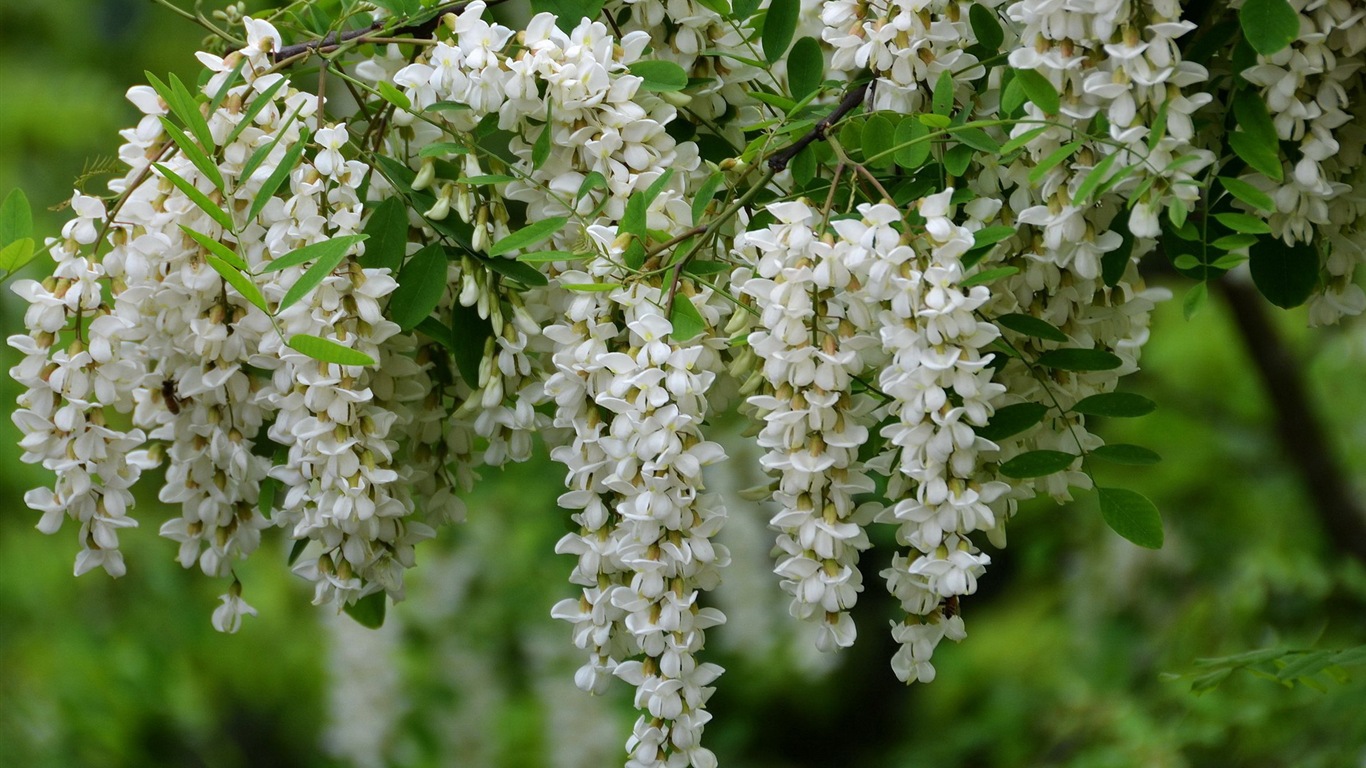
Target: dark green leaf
[(1307, 664), (298, 549), (703, 267), (1248, 194), (1269, 25), (1117, 404), (186, 107), (779, 25), (1115, 263), (805, 67), (659, 75), (1039, 90), (988, 276), (540, 151), (1037, 464), (387, 233), (1123, 453), (1012, 420), (369, 610), (528, 236), (328, 351), (568, 13), (1047, 164), (986, 27), (1243, 222), (743, 9), (486, 180), (517, 270), (977, 139), (1285, 274), (957, 159), (1264, 158), (421, 284), (200, 200), (912, 146), (1132, 516), (1031, 326), (1079, 360), (1093, 179), (877, 140), (686, 320), (1022, 139), (470, 332), (260, 154), (548, 257)]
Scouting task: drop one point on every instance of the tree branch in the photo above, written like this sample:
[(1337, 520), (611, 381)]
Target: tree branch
[(335, 39), (1297, 424), (778, 160)]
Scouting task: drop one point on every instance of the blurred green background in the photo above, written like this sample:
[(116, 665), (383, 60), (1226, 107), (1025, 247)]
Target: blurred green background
[(1066, 641)]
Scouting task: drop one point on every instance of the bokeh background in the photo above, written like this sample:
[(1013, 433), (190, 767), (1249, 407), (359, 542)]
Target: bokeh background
[(1068, 640)]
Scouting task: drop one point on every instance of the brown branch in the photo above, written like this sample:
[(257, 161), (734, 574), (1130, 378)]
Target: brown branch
[(1298, 426), (333, 40), (778, 160)]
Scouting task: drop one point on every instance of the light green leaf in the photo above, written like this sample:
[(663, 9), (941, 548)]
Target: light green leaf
[(528, 236), (331, 251), (194, 154), (590, 287), (1248, 194), (912, 146), (988, 236), (989, 276), (443, 149), (200, 200), (218, 249), (328, 351), (330, 255), (257, 104), (1132, 516), (705, 193), (1055, 157), (942, 101), (659, 75), (1093, 179), (1194, 299), (278, 176), (1244, 222), (16, 217), (240, 281), (547, 257), (687, 321), (15, 255), (1022, 139), (877, 140), (394, 96)]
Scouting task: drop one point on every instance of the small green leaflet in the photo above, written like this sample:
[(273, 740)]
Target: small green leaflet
[(227, 85), (329, 255), (704, 195), (1117, 404), (438, 333), (1079, 360), (1124, 453), (1244, 222), (942, 101), (328, 351), (1055, 157), (549, 257), (1031, 326), (276, 178), (1037, 464), (421, 283), (528, 236), (988, 276), (1248, 194), (194, 154), (16, 254), (877, 139), (200, 200), (938, 122), (1022, 139), (912, 146), (257, 104), (1039, 90), (217, 249), (594, 180), (1268, 25), (1284, 274), (331, 251), (446, 106), (16, 217), (590, 287), (387, 233), (540, 151), (988, 236), (488, 179), (779, 25), (241, 282), (986, 27), (659, 75), (1093, 179), (957, 159), (298, 549), (261, 153), (1012, 420), (443, 149), (686, 320), (517, 270), (394, 96), (369, 610), (1132, 516), (805, 67)]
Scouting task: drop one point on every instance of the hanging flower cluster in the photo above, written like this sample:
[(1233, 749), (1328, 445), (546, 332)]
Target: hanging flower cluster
[(909, 239)]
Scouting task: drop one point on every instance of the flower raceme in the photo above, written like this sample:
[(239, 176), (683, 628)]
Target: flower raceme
[(905, 247)]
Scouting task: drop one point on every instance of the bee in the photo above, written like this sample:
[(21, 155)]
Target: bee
[(168, 394), (951, 607)]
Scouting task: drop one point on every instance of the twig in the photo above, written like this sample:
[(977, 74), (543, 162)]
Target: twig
[(778, 161), (334, 40)]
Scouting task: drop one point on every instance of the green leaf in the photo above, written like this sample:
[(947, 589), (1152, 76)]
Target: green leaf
[(540, 151), (1031, 326), (528, 236), (195, 155), (989, 276), (1248, 194), (298, 549), (1234, 242), (328, 351), (1285, 274), (659, 75), (1307, 664), (1194, 299), (1055, 157), (16, 217), (986, 27), (1022, 139), (1257, 154), (330, 251), (942, 101), (421, 284), (1115, 263), (547, 257), (393, 95), (1011, 420), (687, 321), (15, 255), (1268, 25), (805, 67), (387, 235), (443, 149), (743, 9), (1116, 404), (1132, 516), (594, 180), (200, 200), (257, 104), (1039, 90), (278, 176), (912, 148), (705, 193), (369, 610), (779, 25), (1037, 464), (978, 139), (1124, 453), (469, 333), (988, 236), (1243, 222), (957, 159), (446, 106), (568, 13), (1012, 94), (703, 267), (330, 256), (1079, 360), (186, 107), (265, 499), (877, 140), (517, 270), (1093, 179), (486, 180), (217, 249), (937, 122), (1159, 127), (227, 85), (261, 153), (590, 287), (241, 282)]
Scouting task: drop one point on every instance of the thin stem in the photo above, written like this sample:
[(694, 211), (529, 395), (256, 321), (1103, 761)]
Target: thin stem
[(778, 161)]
